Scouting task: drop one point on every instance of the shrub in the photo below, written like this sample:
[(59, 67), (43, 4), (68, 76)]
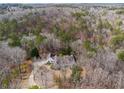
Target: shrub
[(76, 73), (66, 37), (119, 22), (120, 54), (5, 83), (44, 12), (117, 39), (104, 24), (88, 46), (66, 51), (38, 40), (91, 54), (34, 87), (14, 73), (48, 63), (78, 15), (117, 31), (120, 11), (34, 52), (14, 42)]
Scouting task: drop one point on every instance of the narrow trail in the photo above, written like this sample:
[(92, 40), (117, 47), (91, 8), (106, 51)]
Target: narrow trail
[(30, 80)]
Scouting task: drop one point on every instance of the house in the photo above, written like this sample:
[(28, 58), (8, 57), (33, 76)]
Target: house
[(13, 8), (52, 58)]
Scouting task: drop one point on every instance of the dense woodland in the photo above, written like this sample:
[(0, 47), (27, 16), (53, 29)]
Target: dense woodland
[(87, 44)]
